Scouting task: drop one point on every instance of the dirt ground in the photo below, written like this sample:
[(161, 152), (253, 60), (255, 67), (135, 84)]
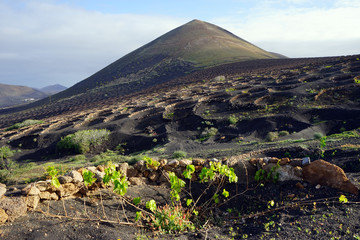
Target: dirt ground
[(298, 97), (307, 213)]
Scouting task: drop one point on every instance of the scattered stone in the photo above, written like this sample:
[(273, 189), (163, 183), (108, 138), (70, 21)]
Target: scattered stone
[(91, 169), (153, 176), (65, 179), (253, 161), (163, 162), (285, 172), (123, 167), (100, 168), (171, 166), (30, 190), (3, 216), (45, 195), (43, 185), (68, 189), (318, 186), (99, 176), (185, 162), (274, 160), (284, 161), (140, 166), (242, 168), (327, 174), (32, 202), (2, 189), (131, 172), (76, 176), (198, 161), (54, 196), (173, 163), (14, 207)]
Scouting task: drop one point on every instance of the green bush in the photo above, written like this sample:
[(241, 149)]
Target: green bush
[(6, 164), (233, 119), (283, 133), (4, 175), (83, 141), (207, 133), (318, 135), (25, 123), (5, 154), (179, 154), (271, 136)]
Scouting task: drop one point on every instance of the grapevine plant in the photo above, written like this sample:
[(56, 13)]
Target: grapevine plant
[(181, 213)]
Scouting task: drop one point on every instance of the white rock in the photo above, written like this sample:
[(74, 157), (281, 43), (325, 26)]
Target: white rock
[(76, 176), (2, 189)]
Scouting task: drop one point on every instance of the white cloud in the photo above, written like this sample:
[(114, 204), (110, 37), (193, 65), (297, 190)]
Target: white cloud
[(46, 43), (300, 31), (61, 44)]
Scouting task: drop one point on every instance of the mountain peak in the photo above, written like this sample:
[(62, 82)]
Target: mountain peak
[(190, 47), (205, 44)]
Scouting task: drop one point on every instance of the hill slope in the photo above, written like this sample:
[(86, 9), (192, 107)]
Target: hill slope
[(53, 89), (14, 95), (185, 49)]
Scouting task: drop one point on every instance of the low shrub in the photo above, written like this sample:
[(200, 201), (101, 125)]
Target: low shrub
[(25, 123), (283, 133), (83, 141), (207, 133), (179, 154), (6, 164), (318, 135), (233, 119), (271, 136), (5, 154)]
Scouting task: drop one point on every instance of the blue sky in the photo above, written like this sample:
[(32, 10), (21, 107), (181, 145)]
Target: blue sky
[(45, 42)]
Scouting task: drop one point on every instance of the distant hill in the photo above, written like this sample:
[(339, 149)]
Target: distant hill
[(190, 47), (53, 89), (14, 95)]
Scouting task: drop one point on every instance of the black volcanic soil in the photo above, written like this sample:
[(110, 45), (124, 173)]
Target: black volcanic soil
[(299, 97)]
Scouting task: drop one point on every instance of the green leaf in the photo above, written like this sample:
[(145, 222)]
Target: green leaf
[(55, 182), (121, 186), (271, 203), (190, 169), (52, 171), (151, 205), (150, 163), (225, 193), (137, 200), (138, 216), (343, 199), (195, 212), (89, 178), (109, 174), (188, 202), (216, 198), (232, 176)]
